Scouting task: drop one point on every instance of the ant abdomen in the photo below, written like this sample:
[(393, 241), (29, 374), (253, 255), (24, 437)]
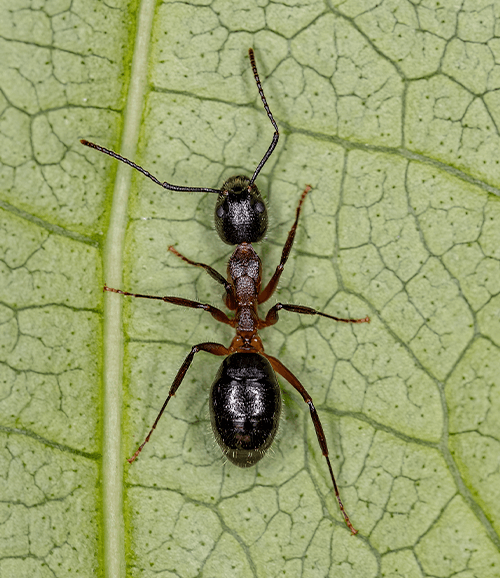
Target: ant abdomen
[(245, 407)]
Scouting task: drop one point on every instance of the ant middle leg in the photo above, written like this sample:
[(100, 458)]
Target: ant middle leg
[(320, 434), (273, 282), (214, 349), (272, 314), (217, 314)]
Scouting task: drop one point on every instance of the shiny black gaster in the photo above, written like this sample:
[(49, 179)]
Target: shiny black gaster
[(245, 407)]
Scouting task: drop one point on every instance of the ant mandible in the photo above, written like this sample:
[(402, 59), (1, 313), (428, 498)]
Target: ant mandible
[(245, 398)]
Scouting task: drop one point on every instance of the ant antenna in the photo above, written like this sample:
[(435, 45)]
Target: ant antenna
[(177, 188), (165, 185), (269, 114)]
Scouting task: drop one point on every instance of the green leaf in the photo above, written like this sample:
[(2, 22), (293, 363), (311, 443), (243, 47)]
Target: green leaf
[(390, 111)]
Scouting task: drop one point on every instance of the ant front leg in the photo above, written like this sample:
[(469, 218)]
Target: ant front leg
[(217, 314), (273, 282), (230, 299), (320, 434), (214, 349), (272, 314)]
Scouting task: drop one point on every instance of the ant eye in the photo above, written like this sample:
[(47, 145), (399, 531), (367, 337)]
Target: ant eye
[(259, 207), (220, 212)]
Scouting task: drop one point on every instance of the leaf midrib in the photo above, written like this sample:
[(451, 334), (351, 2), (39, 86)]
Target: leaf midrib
[(112, 465)]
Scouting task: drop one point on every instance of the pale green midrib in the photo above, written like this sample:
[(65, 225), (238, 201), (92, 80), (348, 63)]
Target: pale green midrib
[(112, 464)]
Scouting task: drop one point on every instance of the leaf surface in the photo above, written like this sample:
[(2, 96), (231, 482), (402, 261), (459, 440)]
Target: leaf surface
[(389, 110)]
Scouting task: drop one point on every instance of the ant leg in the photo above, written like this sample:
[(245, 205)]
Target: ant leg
[(217, 314), (230, 299), (214, 349), (273, 282), (272, 314), (288, 375)]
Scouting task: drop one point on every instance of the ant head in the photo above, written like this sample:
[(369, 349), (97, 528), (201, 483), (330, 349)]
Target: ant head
[(240, 212)]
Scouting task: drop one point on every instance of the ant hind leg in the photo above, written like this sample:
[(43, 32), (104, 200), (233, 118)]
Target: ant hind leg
[(320, 434), (214, 349)]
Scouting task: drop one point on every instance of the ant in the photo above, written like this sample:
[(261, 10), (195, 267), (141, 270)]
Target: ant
[(245, 398)]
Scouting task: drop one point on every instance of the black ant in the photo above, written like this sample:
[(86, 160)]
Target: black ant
[(245, 398)]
